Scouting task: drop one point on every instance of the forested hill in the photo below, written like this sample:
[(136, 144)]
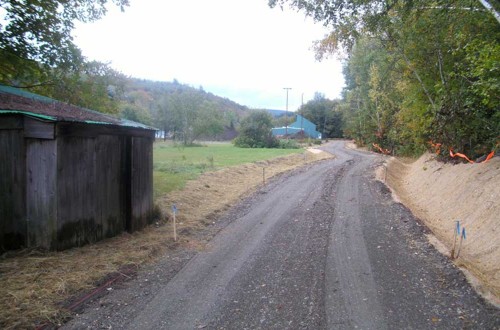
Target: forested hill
[(185, 112), (149, 101), (157, 90)]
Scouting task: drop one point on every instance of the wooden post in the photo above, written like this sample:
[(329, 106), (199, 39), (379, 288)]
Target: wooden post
[(263, 175)]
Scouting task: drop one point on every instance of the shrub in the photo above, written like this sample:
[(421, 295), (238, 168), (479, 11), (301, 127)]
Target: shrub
[(288, 144), (255, 132)]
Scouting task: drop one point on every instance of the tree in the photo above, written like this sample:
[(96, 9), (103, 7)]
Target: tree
[(449, 56), (188, 116), (208, 122), (372, 94), (94, 86), (135, 113), (351, 19), (347, 19), (255, 131), (322, 112), (417, 71), (334, 124), (35, 36)]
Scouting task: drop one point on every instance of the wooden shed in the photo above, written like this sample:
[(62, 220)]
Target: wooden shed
[(70, 176)]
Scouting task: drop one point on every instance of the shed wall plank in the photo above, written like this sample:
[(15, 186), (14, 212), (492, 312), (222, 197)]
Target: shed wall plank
[(142, 182), (110, 190), (77, 192), (41, 198), (12, 190)]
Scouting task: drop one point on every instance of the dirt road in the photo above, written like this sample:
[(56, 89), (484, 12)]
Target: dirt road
[(324, 247)]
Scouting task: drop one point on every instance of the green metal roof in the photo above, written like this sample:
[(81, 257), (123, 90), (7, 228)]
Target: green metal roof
[(24, 93), (27, 113), (18, 101)]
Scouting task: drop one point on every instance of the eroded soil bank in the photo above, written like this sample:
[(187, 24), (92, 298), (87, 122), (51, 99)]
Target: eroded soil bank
[(440, 194)]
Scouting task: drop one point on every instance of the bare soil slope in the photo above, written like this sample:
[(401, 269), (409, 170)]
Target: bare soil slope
[(440, 194)]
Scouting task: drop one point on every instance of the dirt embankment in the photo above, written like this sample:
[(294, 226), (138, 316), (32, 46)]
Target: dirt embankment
[(440, 194)]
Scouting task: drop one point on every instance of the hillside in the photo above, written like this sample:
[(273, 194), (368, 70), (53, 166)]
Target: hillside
[(440, 194), (158, 89), (142, 99), (280, 113)]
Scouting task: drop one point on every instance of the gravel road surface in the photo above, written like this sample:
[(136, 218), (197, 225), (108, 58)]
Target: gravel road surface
[(323, 247)]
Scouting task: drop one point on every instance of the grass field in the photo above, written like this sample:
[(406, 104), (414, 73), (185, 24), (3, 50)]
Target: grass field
[(174, 165)]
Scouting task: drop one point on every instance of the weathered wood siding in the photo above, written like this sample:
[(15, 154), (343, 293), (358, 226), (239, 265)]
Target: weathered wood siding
[(12, 184), (142, 182), (76, 192), (41, 192), (38, 129), (104, 187), (69, 184), (110, 185)]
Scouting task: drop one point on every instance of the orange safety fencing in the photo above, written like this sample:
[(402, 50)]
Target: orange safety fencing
[(490, 156), (453, 155), (437, 149), (384, 151), (436, 146)]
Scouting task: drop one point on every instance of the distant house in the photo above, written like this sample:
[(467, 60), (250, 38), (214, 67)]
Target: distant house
[(301, 124), (70, 176)]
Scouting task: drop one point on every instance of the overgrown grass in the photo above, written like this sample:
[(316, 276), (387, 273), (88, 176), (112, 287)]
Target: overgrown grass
[(175, 165)]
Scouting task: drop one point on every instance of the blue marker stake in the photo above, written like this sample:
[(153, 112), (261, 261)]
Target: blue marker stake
[(462, 237)]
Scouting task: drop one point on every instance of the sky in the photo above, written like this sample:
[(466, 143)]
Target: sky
[(239, 49)]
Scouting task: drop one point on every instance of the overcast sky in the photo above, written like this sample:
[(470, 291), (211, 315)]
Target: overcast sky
[(239, 49)]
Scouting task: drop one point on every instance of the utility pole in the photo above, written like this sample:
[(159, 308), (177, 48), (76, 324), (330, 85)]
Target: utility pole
[(286, 112), (302, 115)]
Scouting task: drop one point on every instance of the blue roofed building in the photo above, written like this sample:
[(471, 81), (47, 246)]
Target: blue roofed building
[(300, 124)]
